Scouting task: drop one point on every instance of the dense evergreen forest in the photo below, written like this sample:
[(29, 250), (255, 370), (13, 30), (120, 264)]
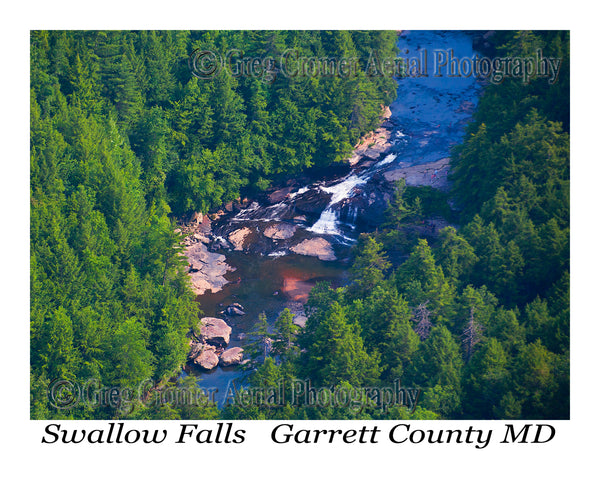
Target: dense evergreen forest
[(476, 317), (124, 140)]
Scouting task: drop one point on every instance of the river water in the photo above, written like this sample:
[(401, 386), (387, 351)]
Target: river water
[(428, 118)]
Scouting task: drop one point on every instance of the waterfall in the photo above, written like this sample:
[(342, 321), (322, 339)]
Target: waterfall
[(328, 221), (354, 215), (388, 159)]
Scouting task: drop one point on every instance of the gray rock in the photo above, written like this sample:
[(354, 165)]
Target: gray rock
[(231, 356), (195, 350), (213, 331), (280, 231), (232, 310), (300, 320), (207, 269), (315, 247), (207, 359)]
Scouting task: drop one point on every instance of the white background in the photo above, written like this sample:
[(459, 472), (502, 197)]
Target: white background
[(574, 447)]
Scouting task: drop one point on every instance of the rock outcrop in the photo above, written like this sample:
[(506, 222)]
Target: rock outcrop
[(280, 231), (315, 247), (313, 201), (372, 145), (231, 356), (207, 359), (234, 309), (280, 195), (238, 237), (213, 331), (207, 269), (433, 174)]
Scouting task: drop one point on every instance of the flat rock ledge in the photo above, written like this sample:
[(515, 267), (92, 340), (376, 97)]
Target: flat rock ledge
[(315, 247), (206, 269), (434, 174), (280, 231)]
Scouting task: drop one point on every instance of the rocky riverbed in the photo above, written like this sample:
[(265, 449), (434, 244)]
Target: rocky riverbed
[(208, 345), (269, 251)]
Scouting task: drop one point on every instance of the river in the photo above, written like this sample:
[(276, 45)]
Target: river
[(427, 119)]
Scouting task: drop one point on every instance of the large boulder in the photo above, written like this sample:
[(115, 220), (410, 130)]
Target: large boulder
[(313, 201), (315, 247), (280, 231), (195, 350), (238, 237), (280, 195), (231, 356), (214, 331), (207, 270), (207, 359)]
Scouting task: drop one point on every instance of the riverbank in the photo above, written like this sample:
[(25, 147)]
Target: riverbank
[(285, 241), (208, 269)]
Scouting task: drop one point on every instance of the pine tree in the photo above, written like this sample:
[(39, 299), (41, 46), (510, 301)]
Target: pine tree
[(285, 332), (398, 211), (369, 265), (338, 354), (486, 380), (261, 341), (437, 369)]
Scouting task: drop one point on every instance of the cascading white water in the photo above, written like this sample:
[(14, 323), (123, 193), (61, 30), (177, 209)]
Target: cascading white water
[(299, 192), (328, 221), (354, 214), (388, 159)]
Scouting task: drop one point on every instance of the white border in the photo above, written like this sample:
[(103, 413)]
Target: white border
[(574, 445)]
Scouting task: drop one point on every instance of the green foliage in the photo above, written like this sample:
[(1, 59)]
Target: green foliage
[(384, 317), (489, 295), (123, 137), (437, 369), (511, 177), (285, 335), (369, 266), (337, 352), (485, 380)]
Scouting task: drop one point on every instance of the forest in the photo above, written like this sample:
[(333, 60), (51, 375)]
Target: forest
[(124, 140)]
